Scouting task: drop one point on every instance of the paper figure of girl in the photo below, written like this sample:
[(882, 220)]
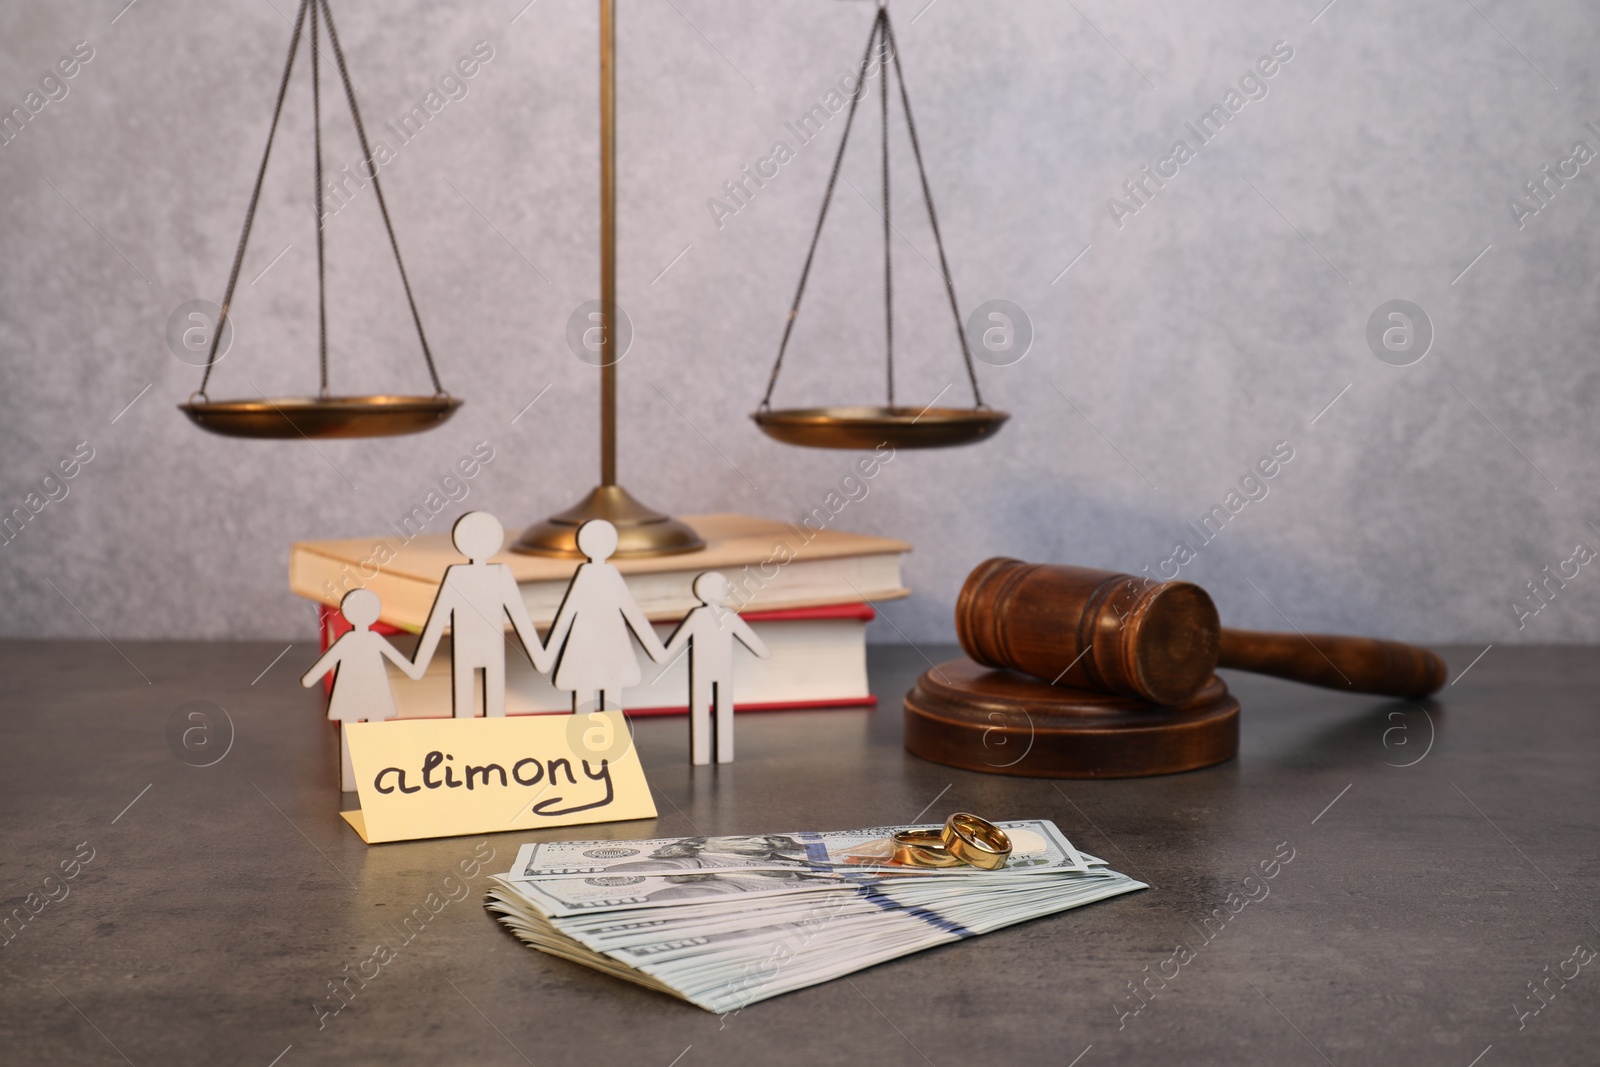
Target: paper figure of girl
[(590, 636), (361, 690), (709, 631)]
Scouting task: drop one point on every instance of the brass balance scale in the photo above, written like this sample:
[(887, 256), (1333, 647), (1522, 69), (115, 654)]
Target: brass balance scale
[(323, 415), (642, 531)]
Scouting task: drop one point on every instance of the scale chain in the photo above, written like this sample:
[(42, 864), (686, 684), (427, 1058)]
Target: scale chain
[(255, 197), (888, 271), (322, 277), (261, 173), (933, 218), (827, 199), (883, 37), (377, 188)]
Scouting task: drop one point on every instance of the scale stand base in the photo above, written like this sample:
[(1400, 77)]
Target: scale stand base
[(641, 531), (1003, 722)]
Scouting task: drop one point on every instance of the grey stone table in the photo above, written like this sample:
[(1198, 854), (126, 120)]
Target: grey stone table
[(1443, 858)]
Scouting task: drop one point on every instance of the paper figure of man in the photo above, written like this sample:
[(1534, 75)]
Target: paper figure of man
[(710, 630), (361, 690), (589, 638), (475, 599)]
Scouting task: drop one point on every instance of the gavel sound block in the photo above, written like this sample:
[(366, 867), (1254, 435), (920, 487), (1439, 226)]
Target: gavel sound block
[(1078, 673)]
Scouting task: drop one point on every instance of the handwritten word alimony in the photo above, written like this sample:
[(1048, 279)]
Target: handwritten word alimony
[(527, 772)]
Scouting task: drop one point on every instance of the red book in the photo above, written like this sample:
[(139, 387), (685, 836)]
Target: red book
[(818, 661)]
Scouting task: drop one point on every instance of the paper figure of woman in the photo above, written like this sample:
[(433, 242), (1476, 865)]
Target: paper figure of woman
[(592, 628)]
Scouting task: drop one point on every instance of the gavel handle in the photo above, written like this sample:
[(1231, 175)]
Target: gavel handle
[(1353, 664)]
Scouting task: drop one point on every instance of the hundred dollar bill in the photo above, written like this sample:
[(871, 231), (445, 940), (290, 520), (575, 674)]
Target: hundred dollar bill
[(632, 924), (790, 942), (626, 891), (714, 891), (848, 918), (1037, 846), (729, 988)]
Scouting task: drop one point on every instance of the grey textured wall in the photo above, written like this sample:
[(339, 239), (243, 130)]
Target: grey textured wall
[(1220, 316)]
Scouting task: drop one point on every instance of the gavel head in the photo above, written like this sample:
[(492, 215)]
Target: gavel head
[(1090, 629)]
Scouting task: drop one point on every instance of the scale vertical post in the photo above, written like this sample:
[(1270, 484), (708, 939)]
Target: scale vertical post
[(608, 241), (641, 531)]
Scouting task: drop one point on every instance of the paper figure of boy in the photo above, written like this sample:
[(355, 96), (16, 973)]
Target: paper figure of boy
[(475, 599), (589, 638), (361, 690), (710, 630)]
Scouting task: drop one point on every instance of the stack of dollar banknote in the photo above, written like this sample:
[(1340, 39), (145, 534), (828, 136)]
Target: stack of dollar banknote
[(723, 922)]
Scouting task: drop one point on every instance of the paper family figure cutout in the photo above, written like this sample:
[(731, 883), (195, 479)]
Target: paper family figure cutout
[(361, 690), (589, 648), (475, 599), (594, 656), (709, 632)]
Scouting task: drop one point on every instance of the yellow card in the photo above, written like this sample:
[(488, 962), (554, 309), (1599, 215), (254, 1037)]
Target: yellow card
[(443, 777)]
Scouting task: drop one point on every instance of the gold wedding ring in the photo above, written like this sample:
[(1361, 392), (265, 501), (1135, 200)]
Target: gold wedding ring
[(921, 848), (966, 840), (976, 841)]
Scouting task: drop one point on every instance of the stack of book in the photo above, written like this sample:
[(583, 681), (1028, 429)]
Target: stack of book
[(807, 592)]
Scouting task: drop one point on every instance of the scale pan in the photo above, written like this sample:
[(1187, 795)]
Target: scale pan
[(869, 427), (331, 416)]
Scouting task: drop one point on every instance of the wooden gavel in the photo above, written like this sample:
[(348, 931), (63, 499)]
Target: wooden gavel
[(1160, 641)]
